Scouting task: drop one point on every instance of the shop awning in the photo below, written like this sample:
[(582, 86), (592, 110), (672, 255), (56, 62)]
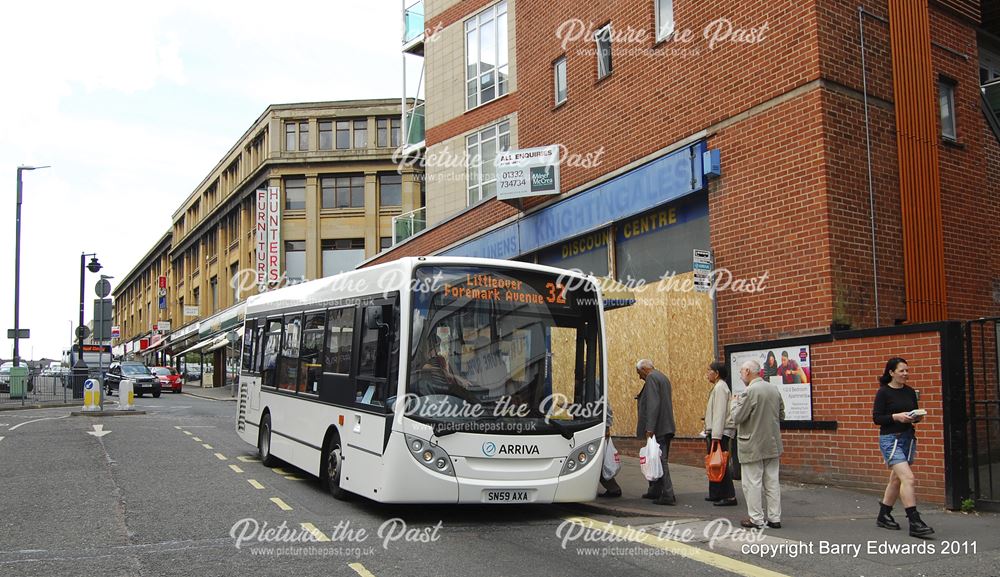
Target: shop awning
[(223, 340), (198, 347)]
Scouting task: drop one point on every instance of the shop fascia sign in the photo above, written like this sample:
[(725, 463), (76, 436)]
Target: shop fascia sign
[(527, 172)]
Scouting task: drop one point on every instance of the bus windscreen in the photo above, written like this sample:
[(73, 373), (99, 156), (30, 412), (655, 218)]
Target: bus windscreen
[(502, 350)]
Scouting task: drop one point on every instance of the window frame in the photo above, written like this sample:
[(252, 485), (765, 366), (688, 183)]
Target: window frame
[(658, 6), (561, 61), (476, 139), (286, 246), (947, 89), (329, 132), (378, 179), (603, 70), (285, 186), (473, 35)]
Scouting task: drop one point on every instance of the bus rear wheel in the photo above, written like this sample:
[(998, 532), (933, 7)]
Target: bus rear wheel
[(334, 458), (264, 442)]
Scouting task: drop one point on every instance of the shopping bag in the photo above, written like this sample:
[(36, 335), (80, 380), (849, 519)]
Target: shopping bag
[(612, 462), (649, 460), (715, 462)]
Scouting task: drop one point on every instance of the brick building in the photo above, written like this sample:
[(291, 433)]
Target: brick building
[(857, 182)]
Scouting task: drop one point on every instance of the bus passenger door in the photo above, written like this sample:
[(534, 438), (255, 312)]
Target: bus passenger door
[(377, 344)]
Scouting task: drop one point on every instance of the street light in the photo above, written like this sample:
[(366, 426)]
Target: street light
[(17, 266)]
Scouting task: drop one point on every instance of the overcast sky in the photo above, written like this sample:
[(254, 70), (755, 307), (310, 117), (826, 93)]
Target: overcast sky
[(133, 103)]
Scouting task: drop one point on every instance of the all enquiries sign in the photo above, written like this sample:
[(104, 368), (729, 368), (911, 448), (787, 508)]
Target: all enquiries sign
[(527, 172), (267, 227)]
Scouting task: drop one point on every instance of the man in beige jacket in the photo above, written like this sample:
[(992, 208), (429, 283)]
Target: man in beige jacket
[(758, 413)]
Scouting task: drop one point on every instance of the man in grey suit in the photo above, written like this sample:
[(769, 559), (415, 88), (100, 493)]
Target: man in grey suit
[(758, 413), (656, 419)]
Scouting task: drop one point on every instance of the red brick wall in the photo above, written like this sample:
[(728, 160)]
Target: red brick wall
[(845, 375), (794, 196)]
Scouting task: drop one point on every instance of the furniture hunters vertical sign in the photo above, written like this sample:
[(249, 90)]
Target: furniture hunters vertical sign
[(267, 224)]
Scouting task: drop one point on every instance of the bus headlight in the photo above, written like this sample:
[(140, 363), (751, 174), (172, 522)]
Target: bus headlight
[(580, 456), (430, 455)]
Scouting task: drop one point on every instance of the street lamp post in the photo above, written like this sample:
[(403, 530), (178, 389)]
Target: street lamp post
[(17, 266)]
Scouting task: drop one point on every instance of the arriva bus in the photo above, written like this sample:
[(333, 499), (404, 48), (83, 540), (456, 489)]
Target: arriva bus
[(431, 379)]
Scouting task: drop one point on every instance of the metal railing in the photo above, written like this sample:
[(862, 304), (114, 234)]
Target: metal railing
[(413, 21), (39, 388), (408, 224)]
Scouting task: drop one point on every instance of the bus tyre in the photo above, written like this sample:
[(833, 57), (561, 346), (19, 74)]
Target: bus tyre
[(264, 442), (334, 461)]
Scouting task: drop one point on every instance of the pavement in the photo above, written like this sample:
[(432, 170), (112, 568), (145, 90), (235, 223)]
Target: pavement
[(816, 520), (224, 393)]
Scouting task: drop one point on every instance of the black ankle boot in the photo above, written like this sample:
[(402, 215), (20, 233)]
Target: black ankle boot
[(917, 526), (885, 519)]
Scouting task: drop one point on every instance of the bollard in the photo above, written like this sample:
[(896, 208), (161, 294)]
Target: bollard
[(125, 396), (91, 395)]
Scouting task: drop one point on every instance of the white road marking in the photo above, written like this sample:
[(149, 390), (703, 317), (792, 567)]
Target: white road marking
[(360, 570), (281, 504), (221, 457), (235, 469), (98, 431), (36, 420)]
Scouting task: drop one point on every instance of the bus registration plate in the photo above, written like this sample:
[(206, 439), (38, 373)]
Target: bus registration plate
[(507, 496)]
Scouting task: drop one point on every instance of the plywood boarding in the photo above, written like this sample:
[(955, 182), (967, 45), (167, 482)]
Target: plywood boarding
[(671, 325)]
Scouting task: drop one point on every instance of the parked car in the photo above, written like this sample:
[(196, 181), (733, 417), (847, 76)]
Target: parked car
[(169, 379), (5, 378), (143, 381), (192, 372)]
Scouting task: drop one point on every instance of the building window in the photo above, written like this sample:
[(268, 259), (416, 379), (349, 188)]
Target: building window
[(486, 55), (234, 281), (296, 136), (603, 40), (390, 190), (213, 285), (295, 259), (388, 130), (342, 254), (295, 194), (384, 242), (946, 101), (664, 19), (326, 135), (303, 136), (482, 149), (343, 191), (559, 76), (360, 134), (195, 297), (343, 134)]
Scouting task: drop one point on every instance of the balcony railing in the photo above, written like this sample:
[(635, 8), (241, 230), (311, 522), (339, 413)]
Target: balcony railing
[(413, 22), (415, 125), (406, 225)]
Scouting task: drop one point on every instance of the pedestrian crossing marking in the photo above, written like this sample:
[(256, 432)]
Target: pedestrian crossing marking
[(221, 457), (255, 484), (360, 570), (235, 469), (281, 504), (312, 530)]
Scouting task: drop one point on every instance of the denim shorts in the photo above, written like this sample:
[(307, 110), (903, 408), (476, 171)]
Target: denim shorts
[(898, 448)]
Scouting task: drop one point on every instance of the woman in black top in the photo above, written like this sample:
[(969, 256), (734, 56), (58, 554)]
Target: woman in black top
[(894, 402)]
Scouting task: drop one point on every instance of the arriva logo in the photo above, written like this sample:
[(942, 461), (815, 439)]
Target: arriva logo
[(490, 449)]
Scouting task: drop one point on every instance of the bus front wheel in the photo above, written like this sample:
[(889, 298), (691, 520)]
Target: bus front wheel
[(334, 458), (264, 442)]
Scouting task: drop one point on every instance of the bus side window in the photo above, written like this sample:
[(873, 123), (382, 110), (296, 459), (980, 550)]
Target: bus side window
[(340, 335), (288, 362), (248, 339), (311, 366), (271, 341)]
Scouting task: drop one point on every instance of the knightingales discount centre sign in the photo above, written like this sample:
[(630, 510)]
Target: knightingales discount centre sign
[(527, 172)]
